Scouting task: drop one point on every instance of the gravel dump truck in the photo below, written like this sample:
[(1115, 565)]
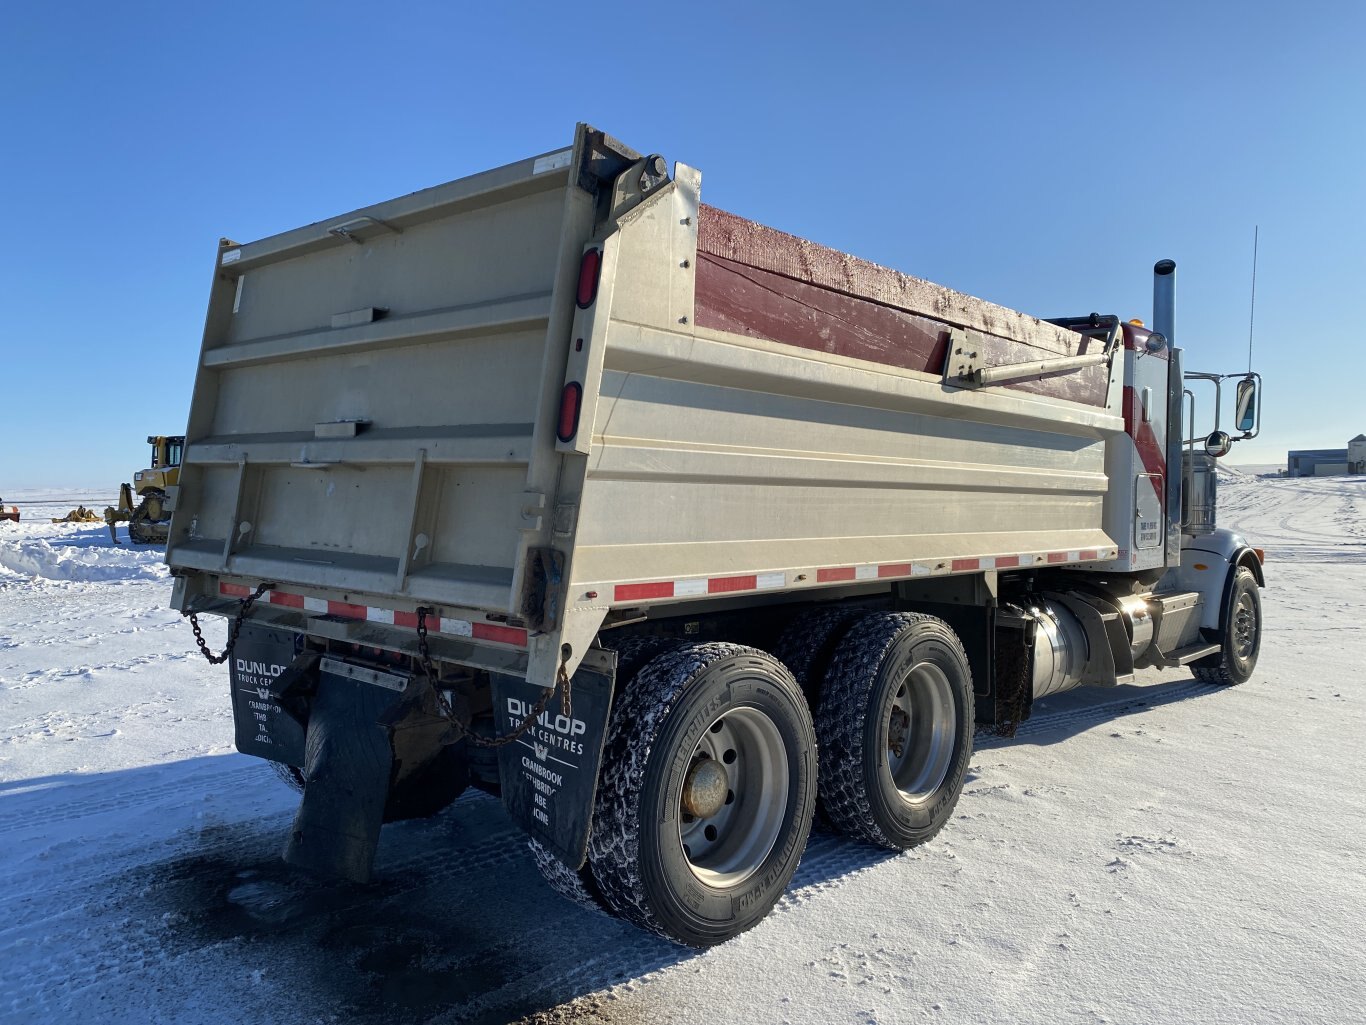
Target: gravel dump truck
[(667, 528)]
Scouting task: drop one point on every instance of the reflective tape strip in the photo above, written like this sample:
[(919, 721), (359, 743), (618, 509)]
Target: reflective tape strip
[(641, 592), (697, 586), (500, 634), (446, 625)]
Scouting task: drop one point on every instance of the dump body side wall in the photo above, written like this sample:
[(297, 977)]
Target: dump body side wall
[(797, 432)]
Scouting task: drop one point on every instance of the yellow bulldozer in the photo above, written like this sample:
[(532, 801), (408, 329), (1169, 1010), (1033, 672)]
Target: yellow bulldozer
[(149, 523)]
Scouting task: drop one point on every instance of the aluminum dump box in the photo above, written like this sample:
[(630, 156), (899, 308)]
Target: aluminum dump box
[(535, 395)]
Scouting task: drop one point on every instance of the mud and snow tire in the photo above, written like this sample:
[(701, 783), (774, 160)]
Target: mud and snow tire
[(809, 642), (1228, 666), (857, 790), (643, 877), (579, 885)]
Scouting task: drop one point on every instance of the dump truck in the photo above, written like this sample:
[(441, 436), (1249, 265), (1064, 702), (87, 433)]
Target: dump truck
[(669, 529)]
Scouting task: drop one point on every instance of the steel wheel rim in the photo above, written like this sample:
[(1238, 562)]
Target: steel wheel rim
[(1244, 628), (725, 849), (919, 732)]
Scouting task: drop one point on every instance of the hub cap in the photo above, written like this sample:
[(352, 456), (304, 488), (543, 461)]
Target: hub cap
[(920, 731), (734, 797), (1244, 628)]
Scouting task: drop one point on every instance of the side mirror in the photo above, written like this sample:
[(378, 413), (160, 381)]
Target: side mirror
[(1246, 415), (1218, 444)]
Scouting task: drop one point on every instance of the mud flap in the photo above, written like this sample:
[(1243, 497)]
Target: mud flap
[(268, 681), (549, 775), (348, 762)]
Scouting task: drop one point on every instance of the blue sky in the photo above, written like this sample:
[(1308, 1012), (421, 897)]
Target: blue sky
[(1038, 155)]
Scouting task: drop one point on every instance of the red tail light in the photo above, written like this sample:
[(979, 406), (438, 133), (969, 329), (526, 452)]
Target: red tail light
[(570, 403), (589, 271)]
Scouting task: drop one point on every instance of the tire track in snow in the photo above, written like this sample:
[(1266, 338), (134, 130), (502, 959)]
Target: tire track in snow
[(237, 864), (118, 891), (1160, 694), (204, 782)]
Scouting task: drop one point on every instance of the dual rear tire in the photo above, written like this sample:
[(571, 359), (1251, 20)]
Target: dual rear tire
[(707, 792), (710, 772)]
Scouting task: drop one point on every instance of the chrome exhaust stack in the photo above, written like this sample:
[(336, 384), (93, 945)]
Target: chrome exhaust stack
[(1164, 300)]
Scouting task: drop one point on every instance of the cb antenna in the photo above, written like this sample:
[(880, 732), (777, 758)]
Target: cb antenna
[(1252, 316)]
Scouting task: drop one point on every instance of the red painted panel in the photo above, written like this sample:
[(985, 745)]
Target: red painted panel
[(341, 608), (639, 592), (747, 301), (1006, 561), (962, 565), (895, 569), (1057, 556), (824, 576), (501, 634), (755, 281), (234, 590), (408, 619), (293, 601), (720, 585)]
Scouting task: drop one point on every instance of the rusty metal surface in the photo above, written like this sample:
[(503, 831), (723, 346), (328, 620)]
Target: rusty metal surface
[(763, 283)]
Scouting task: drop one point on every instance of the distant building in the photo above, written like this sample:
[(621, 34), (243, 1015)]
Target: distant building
[(1324, 462), (1356, 454)]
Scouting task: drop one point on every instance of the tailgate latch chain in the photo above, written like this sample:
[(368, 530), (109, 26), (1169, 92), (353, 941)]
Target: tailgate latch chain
[(562, 686)]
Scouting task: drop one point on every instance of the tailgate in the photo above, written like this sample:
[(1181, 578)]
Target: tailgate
[(376, 400)]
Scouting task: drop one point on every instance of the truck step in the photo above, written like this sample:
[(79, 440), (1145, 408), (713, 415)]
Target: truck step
[(1187, 655)]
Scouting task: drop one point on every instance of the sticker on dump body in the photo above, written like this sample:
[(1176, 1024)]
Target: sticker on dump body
[(549, 775), (552, 162)]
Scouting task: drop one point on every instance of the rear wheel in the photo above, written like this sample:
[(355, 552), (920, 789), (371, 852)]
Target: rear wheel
[(578, 885), (895, 729), (809, 641), (1242, 639), (707, 792)]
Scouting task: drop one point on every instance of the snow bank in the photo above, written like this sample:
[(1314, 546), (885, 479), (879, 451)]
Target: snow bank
[(73, 552)]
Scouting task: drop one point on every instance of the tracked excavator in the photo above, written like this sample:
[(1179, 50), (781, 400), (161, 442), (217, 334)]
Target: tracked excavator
[(150, 520)]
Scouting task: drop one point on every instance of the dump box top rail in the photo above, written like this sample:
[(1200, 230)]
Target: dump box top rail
[(535, 394)]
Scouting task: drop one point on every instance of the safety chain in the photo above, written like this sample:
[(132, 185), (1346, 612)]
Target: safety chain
[(233, 630), (562, 685)]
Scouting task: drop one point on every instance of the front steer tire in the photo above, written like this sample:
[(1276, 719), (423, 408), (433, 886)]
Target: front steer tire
[(895, 729), (700, 879), (1241, 641)]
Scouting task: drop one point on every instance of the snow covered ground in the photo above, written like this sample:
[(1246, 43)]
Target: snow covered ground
[(1164, 852)]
